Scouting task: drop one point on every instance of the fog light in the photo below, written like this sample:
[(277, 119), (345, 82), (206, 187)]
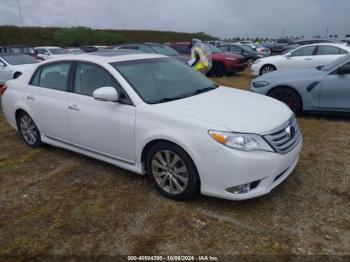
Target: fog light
[(241, 189)]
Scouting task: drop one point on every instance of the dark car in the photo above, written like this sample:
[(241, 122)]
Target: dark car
[(224, 63), (153, 48), (89, 49), (277, 46), (298, 43), (249, 55), (20, 49)]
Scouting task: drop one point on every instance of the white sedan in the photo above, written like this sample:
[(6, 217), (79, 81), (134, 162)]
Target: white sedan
[(49, 52), (305, 56), (13, 65), (154, 115)]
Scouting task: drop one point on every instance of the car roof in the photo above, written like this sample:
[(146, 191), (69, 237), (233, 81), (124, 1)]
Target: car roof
[(340, 45), (48, 47), (106, 56)]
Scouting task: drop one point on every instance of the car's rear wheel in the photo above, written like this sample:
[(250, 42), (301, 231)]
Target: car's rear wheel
[(288, 96), (267, 69), (28, 130), (172, 171), (217, 70)]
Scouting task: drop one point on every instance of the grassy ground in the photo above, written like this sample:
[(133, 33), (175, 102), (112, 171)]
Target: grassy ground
[(54, 202)]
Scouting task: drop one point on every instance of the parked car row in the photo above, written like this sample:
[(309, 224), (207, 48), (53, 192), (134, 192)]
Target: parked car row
[(224, 63), (305, 56)]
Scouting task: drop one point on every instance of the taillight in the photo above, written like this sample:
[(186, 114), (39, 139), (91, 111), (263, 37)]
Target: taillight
[(3, 88)]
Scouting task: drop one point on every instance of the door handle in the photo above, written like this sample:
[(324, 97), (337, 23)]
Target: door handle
[(308, 59), (31, 97), (73, 107)]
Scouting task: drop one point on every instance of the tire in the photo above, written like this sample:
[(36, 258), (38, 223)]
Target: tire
[(218, 70), (16, 75), (250, 61), (28, 130), (172, 171), (267, 69), (288, 96)]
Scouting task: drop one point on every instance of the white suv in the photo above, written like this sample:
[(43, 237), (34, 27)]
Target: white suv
[(153, 114)]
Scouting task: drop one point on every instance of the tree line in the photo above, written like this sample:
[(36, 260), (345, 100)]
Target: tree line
[(78, 36)]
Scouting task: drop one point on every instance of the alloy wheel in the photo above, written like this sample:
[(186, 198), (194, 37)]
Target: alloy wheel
[(169, 172), (28, 130), (267, 69)]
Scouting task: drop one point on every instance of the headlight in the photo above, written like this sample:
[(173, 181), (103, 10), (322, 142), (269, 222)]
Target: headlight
[(231, 58), (259, 84), (244, 142)]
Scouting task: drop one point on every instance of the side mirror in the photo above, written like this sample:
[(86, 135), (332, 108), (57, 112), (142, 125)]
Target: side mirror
[(2, 65), (107, 94), (289, 55), (343, 70)]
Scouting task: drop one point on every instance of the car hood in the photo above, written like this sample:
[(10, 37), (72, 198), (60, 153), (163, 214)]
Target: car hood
[(232, 109)]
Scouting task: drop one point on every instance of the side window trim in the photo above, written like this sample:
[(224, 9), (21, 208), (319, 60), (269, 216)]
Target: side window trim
[(72, 74)]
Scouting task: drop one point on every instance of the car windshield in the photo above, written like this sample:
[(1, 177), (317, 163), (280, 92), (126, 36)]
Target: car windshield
[(334, 64), (20, 59), (58, 51), (246, 48), (76, 51), (161, 80), (214, 49), (164, 50)]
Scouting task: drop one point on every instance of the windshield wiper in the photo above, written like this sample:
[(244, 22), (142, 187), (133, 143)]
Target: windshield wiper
[(196, 92)]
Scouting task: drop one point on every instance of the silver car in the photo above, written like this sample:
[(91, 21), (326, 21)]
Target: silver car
[(322, 89)]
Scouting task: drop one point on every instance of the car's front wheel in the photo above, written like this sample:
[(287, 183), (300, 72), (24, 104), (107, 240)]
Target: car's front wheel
[(217, 70), (28, 130), (172, 171), (288, 96), (267, 69)]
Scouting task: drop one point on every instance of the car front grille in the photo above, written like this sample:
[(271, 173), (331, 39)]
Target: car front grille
[(285, 138)]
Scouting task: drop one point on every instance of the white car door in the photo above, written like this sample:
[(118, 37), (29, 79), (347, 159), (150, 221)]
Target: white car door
[(299, 58), (47, 99), (105, 128), (327, 54)]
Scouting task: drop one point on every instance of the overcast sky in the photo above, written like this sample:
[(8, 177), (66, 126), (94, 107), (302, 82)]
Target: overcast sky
[(222, 18)]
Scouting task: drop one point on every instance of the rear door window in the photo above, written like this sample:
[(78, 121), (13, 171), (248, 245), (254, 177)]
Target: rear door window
[(52, 76), (330, 50)]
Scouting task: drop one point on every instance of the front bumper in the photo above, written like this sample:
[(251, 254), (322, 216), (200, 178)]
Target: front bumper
[(227, 168), (255, 70)]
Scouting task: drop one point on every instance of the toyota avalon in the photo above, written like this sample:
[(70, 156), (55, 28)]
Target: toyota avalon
[(154, 115)]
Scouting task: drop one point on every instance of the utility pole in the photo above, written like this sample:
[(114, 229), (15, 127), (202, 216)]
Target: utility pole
[(283, 32), (20, 12), (327, 32)]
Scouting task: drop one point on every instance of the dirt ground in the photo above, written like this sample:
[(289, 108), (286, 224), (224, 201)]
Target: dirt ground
[(55, 202)]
